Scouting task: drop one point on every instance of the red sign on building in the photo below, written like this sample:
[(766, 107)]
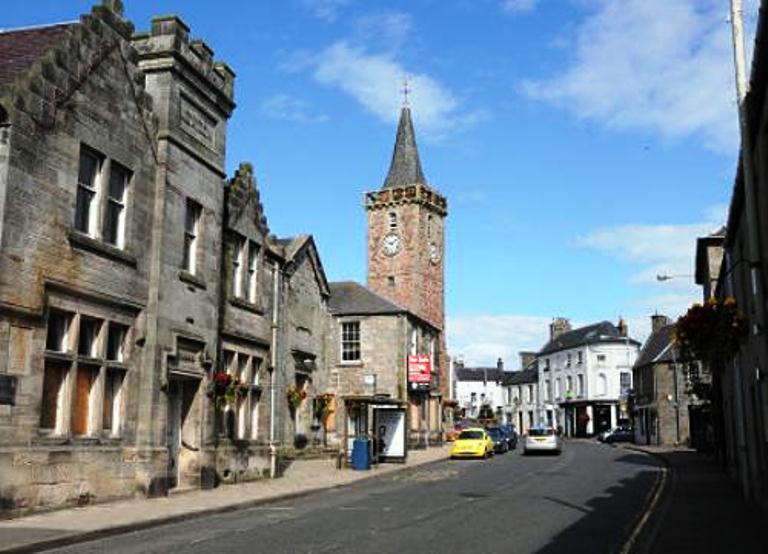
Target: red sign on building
[(419, 369)]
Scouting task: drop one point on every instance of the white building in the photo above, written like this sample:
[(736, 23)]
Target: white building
[(522, 397), (585, 375), (478, 387)]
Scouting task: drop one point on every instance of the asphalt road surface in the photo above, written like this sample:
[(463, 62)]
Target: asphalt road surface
[(586, 500)]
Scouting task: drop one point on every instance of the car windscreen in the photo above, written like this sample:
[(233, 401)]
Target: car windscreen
[(471, 435), (541, 432), (494, 433)]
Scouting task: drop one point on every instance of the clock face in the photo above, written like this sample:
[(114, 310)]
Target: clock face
[(391, 244), (434, 253)]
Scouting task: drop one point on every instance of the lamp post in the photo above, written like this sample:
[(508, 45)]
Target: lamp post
[(669, 276)]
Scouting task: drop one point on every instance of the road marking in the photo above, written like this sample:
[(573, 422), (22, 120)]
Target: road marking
[(651, 501)]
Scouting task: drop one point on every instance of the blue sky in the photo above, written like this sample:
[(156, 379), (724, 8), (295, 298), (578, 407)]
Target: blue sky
[(582, 144)]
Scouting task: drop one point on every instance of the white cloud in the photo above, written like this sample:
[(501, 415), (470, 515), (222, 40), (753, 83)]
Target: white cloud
[(327, 10), (519, 5), (375, 80), (482, 338), (650, 250), (652, 65), (284, 106)]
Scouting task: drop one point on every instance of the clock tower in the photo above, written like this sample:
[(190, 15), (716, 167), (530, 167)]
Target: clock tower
[(406, 235)]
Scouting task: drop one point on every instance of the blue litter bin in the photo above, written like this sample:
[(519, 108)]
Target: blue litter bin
[(361, 454)]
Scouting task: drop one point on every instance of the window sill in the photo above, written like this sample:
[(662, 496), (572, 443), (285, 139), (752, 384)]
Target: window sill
[(192, 279), (352, 363), (57, 355), (83, 241), (114, 364), (246, 305)]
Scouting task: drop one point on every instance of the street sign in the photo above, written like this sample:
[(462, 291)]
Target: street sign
[(419, 368)]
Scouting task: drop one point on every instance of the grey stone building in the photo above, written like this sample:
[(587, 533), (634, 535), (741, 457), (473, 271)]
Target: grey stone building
[(132, 272), (369, 340), (661, 391)]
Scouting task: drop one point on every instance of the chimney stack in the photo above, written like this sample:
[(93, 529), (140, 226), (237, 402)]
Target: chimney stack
[(558, 326), (622, 327), (500, 364), (526, 359), (657, 322)]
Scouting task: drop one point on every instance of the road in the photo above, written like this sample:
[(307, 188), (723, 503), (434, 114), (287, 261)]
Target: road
[(586, 500)]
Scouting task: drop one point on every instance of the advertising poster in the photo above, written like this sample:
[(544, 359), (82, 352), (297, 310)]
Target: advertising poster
[(389, 433), (419, 371)]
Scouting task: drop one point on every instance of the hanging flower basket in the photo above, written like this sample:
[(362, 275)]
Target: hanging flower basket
[(324, 406), (224, 389), (711, 332), (295, 396)]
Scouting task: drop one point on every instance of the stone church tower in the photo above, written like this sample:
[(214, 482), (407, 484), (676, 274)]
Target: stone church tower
[(406, 236)]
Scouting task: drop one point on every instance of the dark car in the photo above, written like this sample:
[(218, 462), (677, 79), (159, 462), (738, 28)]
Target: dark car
[(512, 435), (621, 433), (499, 438)]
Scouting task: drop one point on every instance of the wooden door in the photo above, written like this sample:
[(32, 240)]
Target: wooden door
[(81, 412), (173, 432)]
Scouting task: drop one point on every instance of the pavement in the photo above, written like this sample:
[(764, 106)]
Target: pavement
[(698, 509), (62, 527)]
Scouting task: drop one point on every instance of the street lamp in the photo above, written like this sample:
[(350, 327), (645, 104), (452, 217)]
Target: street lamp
[(667, 276)]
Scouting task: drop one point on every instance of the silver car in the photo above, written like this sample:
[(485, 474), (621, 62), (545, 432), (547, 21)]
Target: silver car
[(542, 439)]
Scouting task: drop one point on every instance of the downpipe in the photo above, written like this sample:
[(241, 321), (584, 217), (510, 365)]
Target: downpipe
[(273, 364)]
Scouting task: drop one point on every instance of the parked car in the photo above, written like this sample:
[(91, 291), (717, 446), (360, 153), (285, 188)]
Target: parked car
[(452, 434), (543, 439), (472, 443), (512, 436), (499, 438), (622, 433)]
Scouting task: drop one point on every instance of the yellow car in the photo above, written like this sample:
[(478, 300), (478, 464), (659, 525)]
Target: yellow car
[(472, 443)]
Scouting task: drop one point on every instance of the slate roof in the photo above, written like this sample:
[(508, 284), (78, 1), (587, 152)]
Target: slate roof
[(405, 168), (658, 348), (20, 48), (480, 374), (605, 331), (350, 298), (523, 377)]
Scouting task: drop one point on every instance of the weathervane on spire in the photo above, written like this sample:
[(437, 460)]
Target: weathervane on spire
[(406, 91)]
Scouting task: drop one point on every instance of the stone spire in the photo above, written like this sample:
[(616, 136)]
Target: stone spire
[(405, 168)]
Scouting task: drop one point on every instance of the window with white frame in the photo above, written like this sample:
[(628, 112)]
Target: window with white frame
[(242, 419), (530, 393), (101, 200), (113, 230), (82, 392), (625, 381), (546, 364), (580, 382), (602, 384), (579, 357), (548, 389), (558, 388), (192, 214), (350, 341), (238, 257), (569, 384), (88, 177), (568, 360), (253, 272)]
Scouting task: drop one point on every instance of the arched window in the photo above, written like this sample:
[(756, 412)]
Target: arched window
[(392, 221)]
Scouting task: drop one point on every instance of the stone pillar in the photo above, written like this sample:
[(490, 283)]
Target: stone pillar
[(591, 421)]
